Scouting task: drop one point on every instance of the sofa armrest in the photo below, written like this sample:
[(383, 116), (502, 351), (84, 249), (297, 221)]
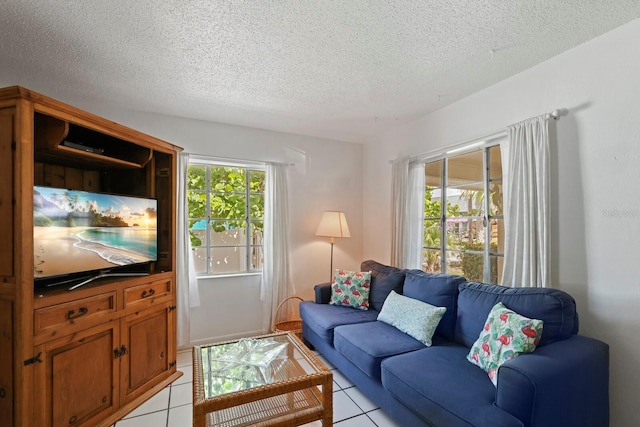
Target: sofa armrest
[(323, 293), (560, 384)]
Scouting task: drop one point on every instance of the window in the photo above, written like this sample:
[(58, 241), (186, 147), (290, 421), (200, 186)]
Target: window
[(226, 213), (463, 222)]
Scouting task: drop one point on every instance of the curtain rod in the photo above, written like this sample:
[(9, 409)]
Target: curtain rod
[(483, 140)]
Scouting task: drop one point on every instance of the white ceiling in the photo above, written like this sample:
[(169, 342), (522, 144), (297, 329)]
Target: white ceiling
[(344, 70)]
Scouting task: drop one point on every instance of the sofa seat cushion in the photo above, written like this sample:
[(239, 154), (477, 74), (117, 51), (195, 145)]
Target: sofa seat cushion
[(366, 345), (323, 318), (441, 386), (555, 308)]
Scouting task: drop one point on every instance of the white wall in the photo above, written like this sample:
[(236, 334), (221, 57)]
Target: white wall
[(596, 214), (326, 175)]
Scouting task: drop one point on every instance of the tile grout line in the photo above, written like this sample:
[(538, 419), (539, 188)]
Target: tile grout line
[(166, 423), (356, 403), (363, 412), (374, 423)]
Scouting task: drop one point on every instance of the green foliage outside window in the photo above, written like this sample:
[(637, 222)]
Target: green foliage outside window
[(227, 198), (472, 264), (432, 230)]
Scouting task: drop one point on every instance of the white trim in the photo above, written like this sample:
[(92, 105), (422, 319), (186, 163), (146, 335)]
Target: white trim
[(225, 161), (466, 147), (229, 275), (488, 140)]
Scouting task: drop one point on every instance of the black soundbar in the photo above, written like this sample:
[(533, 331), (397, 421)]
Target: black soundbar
[(83, 147)]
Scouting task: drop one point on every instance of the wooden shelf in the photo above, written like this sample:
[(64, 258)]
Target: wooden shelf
[(51, 134), (95, 158)]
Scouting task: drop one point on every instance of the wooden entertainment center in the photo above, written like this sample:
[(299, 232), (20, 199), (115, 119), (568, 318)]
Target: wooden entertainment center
[(89, 356)]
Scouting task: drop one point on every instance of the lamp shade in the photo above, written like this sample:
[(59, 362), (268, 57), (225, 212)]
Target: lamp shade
[(333, 224)]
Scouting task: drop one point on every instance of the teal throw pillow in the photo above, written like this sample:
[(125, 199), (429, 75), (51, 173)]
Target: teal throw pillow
[(505, 335), (351, 288), (413, 317)]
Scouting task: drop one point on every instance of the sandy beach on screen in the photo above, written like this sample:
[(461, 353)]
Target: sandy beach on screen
[(55, 253)]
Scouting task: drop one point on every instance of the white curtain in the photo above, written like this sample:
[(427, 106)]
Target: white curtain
[(407, 213), (526, 204), (187, 285), (276, 271)]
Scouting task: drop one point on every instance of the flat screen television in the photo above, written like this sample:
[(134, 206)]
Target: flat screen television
[(80, 236)]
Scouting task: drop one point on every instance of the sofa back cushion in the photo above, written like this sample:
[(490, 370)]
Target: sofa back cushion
[(440, 290), (384, 279), (555, 308)]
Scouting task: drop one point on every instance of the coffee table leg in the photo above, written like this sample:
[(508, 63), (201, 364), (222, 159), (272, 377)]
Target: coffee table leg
[(327, 397), (199, 420)]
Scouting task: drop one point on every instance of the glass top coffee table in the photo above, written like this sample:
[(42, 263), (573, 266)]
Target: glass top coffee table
[(270, 380)]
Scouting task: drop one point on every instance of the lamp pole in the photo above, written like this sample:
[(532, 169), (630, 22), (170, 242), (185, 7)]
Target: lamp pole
[(331, 268)]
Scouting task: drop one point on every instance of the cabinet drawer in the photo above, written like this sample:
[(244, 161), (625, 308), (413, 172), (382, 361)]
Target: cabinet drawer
[(147, 293), (80, 313)]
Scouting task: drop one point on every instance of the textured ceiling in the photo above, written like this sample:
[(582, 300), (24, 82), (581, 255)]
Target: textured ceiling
[(343, 70)]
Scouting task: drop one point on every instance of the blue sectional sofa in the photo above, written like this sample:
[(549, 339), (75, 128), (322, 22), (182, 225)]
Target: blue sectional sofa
[(564, 382)]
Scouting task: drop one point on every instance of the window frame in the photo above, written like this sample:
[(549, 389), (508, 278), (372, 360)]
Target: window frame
[(209, 192), (486, 217)]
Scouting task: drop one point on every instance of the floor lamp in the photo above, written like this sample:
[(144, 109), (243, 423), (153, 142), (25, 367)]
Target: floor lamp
[(333, 224)]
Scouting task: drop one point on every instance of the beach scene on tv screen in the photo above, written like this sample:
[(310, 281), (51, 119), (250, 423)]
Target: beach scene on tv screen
[(76, 231)]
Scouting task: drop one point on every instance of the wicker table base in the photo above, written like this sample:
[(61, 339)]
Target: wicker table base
[(298, 390)]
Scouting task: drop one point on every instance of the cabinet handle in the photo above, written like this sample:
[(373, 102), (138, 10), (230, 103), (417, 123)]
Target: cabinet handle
[(73, 419), (81, 312), (3, 393), (119, 352), (147, 294)]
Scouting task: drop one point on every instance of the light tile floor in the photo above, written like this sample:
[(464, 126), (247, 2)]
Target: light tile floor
[(171, 407)]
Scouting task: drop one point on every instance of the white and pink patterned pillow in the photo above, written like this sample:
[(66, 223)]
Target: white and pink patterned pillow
[(505, 335), (350, 288)]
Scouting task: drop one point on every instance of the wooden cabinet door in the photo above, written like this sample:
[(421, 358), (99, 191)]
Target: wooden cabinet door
[(150, 342), (6, 361), (78, 377)]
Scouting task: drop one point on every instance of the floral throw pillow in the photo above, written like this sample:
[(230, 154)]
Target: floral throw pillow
[(505, 335), (351, 288)]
